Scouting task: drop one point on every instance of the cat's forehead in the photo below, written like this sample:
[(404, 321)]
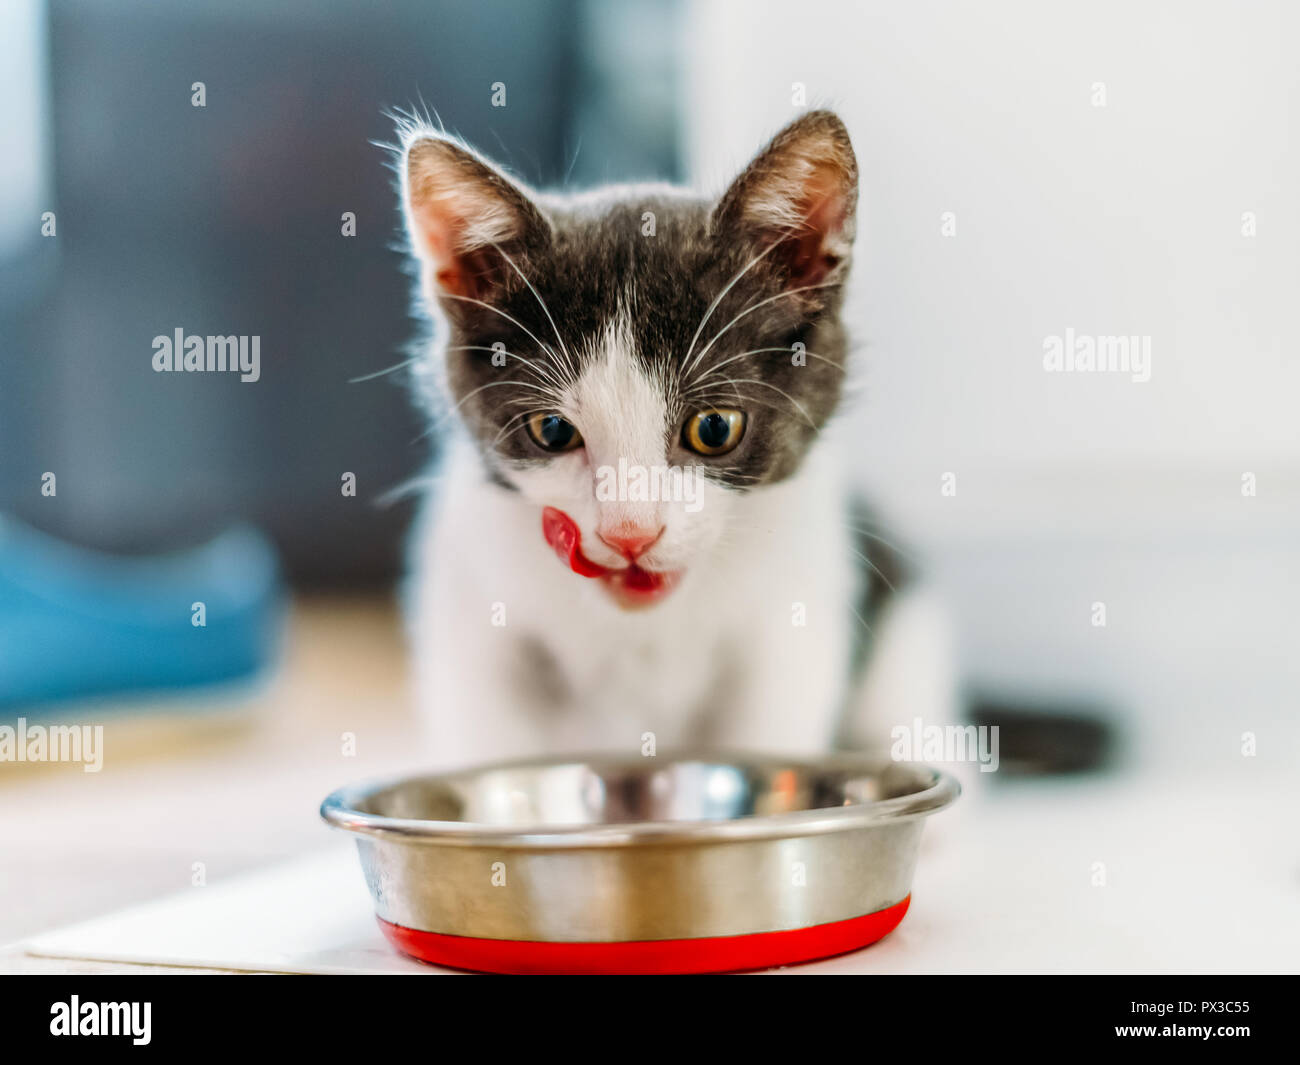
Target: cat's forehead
[(637, 261), (623, 213), (646, 248)]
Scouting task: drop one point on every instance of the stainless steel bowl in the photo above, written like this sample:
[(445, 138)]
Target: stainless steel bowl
[(612, 850)]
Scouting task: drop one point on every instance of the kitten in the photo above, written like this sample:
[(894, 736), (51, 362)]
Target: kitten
[(641, 535)]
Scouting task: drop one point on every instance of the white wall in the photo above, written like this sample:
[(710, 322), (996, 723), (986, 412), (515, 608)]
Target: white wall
[(1123, 219)]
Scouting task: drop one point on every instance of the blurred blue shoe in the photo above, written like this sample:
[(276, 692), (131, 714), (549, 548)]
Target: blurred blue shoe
[(76, 623)]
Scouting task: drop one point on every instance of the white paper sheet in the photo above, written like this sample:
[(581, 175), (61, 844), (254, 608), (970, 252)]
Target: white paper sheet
[(310, 915)]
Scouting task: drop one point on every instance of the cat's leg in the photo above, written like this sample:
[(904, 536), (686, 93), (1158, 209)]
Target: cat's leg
[(474, 702), (473, 708), (790, 630)]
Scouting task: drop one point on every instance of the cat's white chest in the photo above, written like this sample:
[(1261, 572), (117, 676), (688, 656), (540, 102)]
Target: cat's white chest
[(518, 656), (627, 688)]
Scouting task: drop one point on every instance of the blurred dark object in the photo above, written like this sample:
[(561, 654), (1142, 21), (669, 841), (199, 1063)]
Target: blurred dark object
[(1037, 741), (227, 220)]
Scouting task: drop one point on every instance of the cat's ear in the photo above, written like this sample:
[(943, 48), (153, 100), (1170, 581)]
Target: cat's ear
[(797, 201), (467, 221)]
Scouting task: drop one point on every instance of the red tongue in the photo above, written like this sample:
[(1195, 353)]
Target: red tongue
[(639, 580), (562, 533)]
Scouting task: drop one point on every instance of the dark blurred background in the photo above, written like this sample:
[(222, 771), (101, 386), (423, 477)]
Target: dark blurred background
[(226, 219)]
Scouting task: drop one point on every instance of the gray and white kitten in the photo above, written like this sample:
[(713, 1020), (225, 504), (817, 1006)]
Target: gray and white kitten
[(640, 530)]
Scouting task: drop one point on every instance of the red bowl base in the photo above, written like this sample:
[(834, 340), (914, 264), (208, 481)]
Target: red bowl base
[(713, 954)]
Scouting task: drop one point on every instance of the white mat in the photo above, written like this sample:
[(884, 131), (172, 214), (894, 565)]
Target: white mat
[(310, 915)]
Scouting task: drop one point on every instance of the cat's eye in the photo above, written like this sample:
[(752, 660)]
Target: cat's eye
[(713, 432), (553, 433)]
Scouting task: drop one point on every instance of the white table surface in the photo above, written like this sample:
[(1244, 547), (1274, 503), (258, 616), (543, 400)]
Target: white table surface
[(1195, 881)]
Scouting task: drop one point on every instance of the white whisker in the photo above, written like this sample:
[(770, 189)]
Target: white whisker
[(381, 373), (764, 384), (759, 351), (752, 308), (718, 299), (862, 621), (441, 420), (875, 569), (886, 543), (521, 417), (515, 322), (545, 310), (536, 367)]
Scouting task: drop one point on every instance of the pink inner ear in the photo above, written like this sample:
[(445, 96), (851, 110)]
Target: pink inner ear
[(825, 209), (469, 273), (439, 230), (457, 212)]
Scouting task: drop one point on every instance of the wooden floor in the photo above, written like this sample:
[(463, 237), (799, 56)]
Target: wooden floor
[(216, 787)]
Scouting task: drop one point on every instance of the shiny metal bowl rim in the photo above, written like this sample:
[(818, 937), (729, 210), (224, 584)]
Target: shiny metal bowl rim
[(341, 809)]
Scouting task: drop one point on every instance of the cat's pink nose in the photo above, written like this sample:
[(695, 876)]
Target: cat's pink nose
[(630, 541)]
